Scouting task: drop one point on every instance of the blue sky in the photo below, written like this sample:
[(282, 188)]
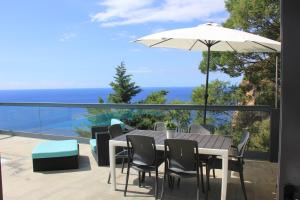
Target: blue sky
[(78, 43)]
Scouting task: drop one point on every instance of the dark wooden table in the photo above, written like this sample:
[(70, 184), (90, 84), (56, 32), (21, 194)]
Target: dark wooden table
[(204, 141), (207, 144)]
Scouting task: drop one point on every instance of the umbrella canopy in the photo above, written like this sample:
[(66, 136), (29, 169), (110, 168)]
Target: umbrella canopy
[(222, 39), (210, 37)]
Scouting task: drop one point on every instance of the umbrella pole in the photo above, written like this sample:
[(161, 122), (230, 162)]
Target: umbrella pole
[(206, 84)]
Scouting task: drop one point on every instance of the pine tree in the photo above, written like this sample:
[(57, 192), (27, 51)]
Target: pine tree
[(124, 88)]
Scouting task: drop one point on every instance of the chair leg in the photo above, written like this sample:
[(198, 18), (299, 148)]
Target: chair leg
[(156, 183), (198, 187), (243, 184), (140, 179), (214, 173), (108, 180), (178, 183), (163, 187), (207, 182), (123, 161), (207, 178), (172, 182), (127, 177), (143, 177), (202, 181)]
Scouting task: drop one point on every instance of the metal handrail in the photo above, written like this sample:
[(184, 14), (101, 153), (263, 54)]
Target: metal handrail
[(142, 106)]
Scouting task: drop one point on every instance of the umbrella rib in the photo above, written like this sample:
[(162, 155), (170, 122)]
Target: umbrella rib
[(193, 45), (264, 46), (209, 42), (215, 42), (152, 45), (231, 46), (205, 42)]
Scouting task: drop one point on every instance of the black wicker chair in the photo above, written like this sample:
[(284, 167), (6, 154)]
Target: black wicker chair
[(235, 164), (122, 153), (182, 161), (143, 157), (201, 129)]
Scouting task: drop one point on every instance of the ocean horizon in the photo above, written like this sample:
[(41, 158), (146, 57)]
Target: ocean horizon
[(86, 95)]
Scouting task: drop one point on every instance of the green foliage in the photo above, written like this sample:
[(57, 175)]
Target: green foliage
[(100, 100), (260, 17), (158, 97), (180, 117), (171, 125), (124, 88), (260, 135), (219, 93), (258, 69), (144, 119)]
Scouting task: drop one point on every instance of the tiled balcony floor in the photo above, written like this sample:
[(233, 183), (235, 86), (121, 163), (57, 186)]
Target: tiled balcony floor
[(89, 182)]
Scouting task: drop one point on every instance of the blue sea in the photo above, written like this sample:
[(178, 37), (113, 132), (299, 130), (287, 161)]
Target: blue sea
[(86, 95), (63, 121)]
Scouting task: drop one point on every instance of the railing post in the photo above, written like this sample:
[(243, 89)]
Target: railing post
[(274, 134)]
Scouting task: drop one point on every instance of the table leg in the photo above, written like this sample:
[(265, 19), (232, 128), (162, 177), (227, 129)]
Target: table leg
[(224, 175), (112, 163)]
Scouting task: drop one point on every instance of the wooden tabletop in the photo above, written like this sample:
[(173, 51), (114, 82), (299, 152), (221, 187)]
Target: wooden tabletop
[(204, 141)]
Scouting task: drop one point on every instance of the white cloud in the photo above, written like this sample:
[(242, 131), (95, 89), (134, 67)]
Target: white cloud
[(125, 12), (67, 36)]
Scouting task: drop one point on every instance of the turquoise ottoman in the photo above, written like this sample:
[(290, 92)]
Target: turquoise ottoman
[(56, 155)]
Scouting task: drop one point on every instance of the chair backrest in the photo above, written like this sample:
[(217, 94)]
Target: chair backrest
[(197, 128), (159, 126), (98, 129), (115, 130), (181, 154), (243, 143), (141, 150)]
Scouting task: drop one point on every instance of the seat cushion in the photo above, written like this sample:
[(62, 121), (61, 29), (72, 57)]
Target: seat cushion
[(93, 145), (54, 149)]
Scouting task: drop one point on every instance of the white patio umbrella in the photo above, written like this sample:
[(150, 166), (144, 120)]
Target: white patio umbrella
[(210, 37)]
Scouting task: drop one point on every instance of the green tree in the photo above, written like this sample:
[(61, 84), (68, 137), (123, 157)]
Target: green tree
[(219, 93), (260, 17), (124, 88), (181, 118), (158, 97), (144, 119), (258, 69)]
